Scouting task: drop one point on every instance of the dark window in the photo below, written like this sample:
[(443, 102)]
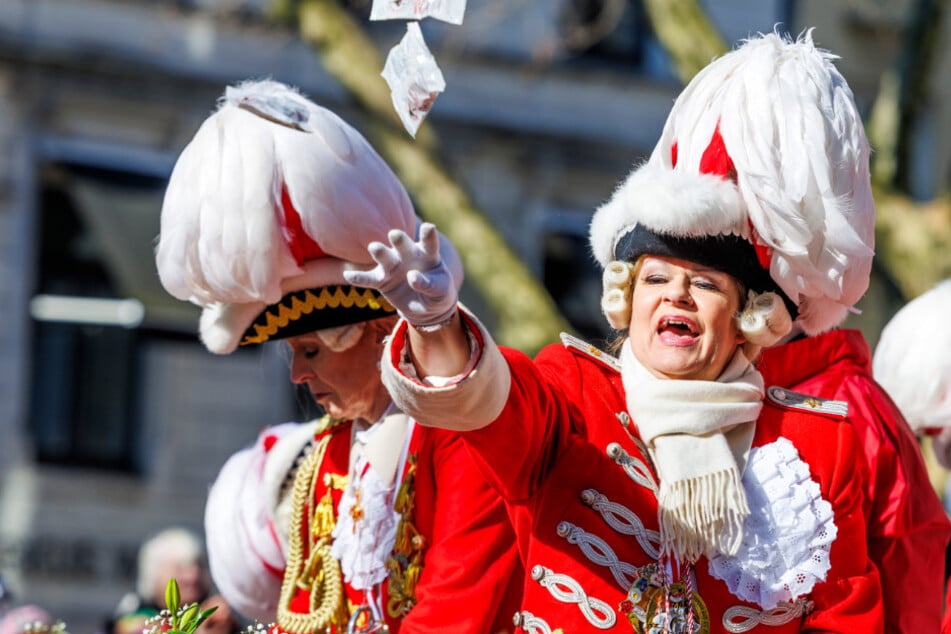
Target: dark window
[(84, 387), (83, 394)]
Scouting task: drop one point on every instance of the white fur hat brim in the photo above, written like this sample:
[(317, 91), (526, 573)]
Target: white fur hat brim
[(668, 202)]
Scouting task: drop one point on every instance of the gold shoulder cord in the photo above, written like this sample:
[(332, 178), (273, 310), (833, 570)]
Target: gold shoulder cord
[(320, 573)]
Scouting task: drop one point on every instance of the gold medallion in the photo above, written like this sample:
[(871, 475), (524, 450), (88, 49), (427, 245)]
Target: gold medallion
[(654, 607)]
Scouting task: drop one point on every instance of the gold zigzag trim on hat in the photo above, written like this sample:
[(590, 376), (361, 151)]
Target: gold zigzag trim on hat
[(280, 315)]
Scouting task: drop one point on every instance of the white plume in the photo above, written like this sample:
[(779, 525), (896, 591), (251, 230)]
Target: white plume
[(790, 124), (223, 238)]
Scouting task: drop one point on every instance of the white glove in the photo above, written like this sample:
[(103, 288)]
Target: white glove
[(412, 277)]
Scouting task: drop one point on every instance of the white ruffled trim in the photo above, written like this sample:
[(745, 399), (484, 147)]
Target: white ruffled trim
[(787, 535), (363, 546)]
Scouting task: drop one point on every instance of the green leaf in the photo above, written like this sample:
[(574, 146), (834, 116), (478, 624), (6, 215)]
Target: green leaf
[(204, 615)]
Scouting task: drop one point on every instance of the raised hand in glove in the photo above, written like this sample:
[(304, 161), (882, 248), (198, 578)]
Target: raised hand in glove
[(412, 276)]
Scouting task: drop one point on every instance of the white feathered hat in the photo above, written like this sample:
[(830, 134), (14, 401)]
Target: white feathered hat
[(266, 207), (247, 516), (762, 169), (912, 360)]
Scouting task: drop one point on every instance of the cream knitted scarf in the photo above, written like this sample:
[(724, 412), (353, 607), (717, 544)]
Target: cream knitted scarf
[(699, 435)]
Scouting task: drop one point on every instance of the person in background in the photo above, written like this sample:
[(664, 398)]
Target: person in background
[(913, 363), (669, 489), (908, 528), (361, 520), (25, 619), (172, 553)]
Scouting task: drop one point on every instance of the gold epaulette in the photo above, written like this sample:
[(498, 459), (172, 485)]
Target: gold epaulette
[(570, 341), (794, 400)]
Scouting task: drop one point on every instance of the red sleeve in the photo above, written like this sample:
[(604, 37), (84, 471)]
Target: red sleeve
[(908, 529), (471, 576), (519, 447), (850, 600)]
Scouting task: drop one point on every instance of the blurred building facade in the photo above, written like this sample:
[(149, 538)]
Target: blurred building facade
[(113, 419)]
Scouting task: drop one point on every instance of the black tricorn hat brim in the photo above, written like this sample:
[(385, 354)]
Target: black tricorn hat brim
[(728, 253), (313, 309)]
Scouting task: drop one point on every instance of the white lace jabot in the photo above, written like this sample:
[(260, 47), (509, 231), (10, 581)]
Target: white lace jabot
[(365, 533), (786, 536)]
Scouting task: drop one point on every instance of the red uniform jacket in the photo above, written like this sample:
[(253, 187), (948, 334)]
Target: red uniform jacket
[(908, 530), (550, 452), (470, 578)]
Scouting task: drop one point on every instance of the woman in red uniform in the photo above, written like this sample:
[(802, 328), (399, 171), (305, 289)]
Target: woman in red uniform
[(669, 489), (362, 521)]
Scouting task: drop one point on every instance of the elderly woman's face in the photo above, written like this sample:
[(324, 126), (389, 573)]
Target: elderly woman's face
[(347, 384), (682, 319)]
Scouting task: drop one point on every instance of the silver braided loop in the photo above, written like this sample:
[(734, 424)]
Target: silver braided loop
[(635, 468), (599, 552), (566, 590), (753, 617), (624, 521), (531, 623)]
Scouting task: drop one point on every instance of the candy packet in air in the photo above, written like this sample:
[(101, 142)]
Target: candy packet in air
[(446, 10), (414, 78)]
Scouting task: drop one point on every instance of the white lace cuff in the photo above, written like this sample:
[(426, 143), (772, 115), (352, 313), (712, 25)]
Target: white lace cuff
[(786, 537)]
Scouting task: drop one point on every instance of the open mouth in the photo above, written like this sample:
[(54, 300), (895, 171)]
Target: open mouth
[(678, 326), (677, 331)]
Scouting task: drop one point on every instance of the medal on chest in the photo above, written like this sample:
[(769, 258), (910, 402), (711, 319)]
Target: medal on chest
[(655, 605)]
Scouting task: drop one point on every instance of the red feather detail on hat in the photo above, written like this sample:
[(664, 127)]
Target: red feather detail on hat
[(763, 252), (716, 160), (269, 441), (302, 246), (673, 154)]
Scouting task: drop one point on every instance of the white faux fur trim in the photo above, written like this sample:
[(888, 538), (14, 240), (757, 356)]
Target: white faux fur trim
[(221, 325), (819, 314), (464, 405), (670, 202)]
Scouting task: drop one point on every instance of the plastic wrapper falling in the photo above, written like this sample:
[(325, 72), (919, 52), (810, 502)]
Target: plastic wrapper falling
[(446, 10), (414, 78)]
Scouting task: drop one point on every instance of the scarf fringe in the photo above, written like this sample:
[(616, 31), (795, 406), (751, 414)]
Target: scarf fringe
[(703, 515)]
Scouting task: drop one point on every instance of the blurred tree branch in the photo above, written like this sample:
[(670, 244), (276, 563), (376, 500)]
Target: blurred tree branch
[(527, 318), (686, 33)]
